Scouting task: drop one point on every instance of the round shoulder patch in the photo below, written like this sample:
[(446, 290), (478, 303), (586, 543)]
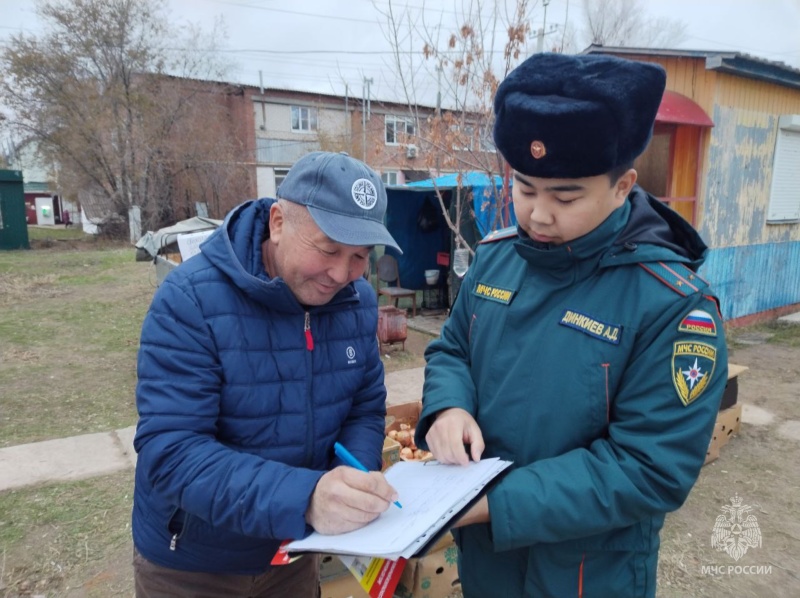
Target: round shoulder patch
[(364, 194)]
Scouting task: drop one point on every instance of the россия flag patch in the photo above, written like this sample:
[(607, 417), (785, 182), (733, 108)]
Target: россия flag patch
[(699, 322)]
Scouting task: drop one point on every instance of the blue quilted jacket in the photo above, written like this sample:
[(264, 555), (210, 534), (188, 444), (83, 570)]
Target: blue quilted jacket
[(238, 412)]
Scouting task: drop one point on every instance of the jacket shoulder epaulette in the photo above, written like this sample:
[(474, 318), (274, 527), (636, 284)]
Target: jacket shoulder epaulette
[(677, 276), (497, 235)]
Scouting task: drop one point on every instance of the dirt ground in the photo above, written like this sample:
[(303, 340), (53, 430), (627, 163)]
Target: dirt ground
[(85, 552)]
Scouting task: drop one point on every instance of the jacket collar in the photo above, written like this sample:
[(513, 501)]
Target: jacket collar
[(641, 230), (576, 259)]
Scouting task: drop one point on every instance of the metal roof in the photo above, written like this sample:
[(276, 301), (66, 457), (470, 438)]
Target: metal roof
[(733, 63)]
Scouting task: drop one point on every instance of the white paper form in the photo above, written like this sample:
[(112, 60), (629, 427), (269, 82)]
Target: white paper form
[(431, 495)]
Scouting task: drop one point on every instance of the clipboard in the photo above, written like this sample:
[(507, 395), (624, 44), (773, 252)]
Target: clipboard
[(438, 535), (432, 498)]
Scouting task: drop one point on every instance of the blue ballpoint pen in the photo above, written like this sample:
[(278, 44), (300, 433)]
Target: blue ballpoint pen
[(348, 458)]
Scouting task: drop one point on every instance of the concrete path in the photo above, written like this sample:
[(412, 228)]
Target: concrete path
[(89, 455), (791, 318)]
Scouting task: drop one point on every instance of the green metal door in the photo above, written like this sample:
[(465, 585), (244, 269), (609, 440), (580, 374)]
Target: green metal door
[(13, 226)]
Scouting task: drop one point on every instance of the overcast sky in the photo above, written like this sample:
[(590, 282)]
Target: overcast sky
[(318, 45)]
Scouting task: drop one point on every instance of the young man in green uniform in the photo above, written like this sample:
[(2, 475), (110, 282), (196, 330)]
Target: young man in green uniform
[(583, 346)]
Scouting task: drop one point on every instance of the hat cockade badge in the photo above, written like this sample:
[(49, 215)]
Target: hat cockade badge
[(538, 150)]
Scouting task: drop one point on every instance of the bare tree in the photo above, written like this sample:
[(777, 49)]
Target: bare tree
[(625, 23), (467, 67), (88, 91)]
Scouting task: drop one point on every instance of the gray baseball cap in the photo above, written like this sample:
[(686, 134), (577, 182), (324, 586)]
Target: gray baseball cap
[(345, 197)]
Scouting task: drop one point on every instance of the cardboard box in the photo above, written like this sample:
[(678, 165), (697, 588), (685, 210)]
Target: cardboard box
[(728, 424), (404, 413), (731, 393), (713, 448), (343, 586), (730, 421), (330, 567), (391, 453), (433, 576)]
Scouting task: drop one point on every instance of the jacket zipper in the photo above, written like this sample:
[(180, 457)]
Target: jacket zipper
[(173, 543), (307, 330), (309, 387)]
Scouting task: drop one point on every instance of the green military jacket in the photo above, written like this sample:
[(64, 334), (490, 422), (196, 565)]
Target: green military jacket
[(597, 367)]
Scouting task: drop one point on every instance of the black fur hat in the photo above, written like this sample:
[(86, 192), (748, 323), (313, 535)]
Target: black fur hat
[(562, 116)]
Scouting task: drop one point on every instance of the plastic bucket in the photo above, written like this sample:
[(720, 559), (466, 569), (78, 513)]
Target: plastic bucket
[(431, 277)]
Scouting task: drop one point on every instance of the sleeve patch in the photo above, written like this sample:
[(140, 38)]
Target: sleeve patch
[(693, 366), (699, 322)]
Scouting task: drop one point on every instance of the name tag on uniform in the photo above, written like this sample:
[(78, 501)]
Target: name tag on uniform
[(493, 293), (603, 331)]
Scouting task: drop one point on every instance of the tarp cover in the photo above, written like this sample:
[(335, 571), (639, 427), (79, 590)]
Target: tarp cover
[(154, 242), (489, 215), (415, 220)]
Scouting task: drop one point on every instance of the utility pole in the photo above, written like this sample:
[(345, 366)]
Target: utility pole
[(365, 108), (439, 89), (540, 34), (347, 122)]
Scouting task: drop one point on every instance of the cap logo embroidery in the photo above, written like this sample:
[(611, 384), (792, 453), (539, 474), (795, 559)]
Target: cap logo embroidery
[(364, 194), (538, 150)]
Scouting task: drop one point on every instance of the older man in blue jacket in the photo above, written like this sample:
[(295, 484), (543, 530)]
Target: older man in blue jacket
[(257, 355)]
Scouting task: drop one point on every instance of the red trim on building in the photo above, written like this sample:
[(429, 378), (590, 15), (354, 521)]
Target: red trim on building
[(676, 108), (763, 316)]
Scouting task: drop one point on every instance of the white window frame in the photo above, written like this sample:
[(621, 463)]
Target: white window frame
[(397, 125), (304, 119), (486, 140), (390, 177), (467, 133), (784, 196), (279, 174)]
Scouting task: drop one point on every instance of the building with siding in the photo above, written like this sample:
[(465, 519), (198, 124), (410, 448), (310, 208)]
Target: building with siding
[(44, 202), (391, 137), (736, 177)]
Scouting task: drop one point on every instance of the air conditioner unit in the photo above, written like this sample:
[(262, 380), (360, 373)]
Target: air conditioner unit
[(411, 151)]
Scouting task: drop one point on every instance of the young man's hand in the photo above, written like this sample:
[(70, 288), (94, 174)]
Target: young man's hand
[(346, 499), (479, 513), (453, 429)]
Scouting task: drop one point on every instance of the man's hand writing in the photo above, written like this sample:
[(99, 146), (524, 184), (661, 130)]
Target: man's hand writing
[(447, 436), (346, 499)]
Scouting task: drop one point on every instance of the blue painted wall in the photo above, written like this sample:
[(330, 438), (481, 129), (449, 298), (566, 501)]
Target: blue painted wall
[(754, 278), (753, 266)]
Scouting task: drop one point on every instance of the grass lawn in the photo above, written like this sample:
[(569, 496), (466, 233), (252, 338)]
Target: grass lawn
[(69, 324), (49, 234), (70, 314), (64, 538)]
